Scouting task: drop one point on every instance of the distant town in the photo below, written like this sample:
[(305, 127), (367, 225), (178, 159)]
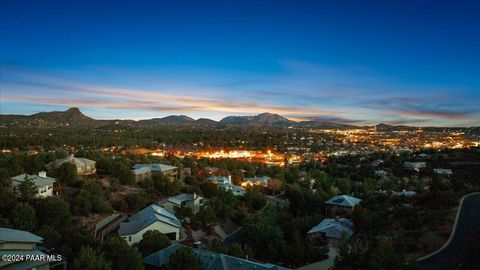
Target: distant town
[(256, 192)]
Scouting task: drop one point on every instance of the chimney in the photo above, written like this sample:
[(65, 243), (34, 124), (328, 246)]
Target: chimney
[(42, 174), (229, 179)]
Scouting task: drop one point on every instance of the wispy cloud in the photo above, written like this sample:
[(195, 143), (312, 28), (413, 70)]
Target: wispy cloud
[(304, 91)]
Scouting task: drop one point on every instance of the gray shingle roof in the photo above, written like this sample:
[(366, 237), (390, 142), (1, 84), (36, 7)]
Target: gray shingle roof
[(155, 167), (145, 218), (37, 180), (12, 235), (334, 228), (344, 201), (210, 260)]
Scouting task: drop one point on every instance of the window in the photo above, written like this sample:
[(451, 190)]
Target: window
[(129, 239)]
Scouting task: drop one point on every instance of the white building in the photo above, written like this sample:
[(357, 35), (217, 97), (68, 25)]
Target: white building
[(142, 171), (42, 183), (152, 217)]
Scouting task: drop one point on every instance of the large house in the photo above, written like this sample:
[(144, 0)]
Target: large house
[(225, 182), (341, 202), (42, 183), (186, 200), (333, 230), (152, 217), (255, 181), (142, 171), (209, 259), (84, 166), (17, 243)]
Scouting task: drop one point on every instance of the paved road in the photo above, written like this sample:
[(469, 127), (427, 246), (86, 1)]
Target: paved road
[(453, 253)]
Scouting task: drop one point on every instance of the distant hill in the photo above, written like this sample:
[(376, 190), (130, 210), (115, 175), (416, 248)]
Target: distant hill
[(263, 119), (72, 117), (325, 124), (170, 120)]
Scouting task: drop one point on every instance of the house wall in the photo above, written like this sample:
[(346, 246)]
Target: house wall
[(157, 226), (142, 176), (17, 246), (45, 191)]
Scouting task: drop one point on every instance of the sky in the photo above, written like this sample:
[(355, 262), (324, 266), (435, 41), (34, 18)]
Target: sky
[(357, 62)]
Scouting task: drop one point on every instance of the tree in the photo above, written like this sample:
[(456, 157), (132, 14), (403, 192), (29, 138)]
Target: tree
[(263, 233), (89, 259), (184, 259), (82, 205), (152, 241), (27, 189), (207, 217), (67, 173), (123, 256), (53, 211), (23, 217), (50, 236)]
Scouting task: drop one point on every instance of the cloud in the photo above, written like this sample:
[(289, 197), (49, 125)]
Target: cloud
[(419, 108)]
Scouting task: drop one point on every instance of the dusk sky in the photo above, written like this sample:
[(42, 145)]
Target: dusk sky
[(360, 62)]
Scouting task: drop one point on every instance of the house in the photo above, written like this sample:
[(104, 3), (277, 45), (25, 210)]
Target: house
[(84, 166), (42, 183), (152, 217), (220, 179), (255, 181), (334, 230), (187, 200), (446, 172), (225, 182), (380, 173), (236, 190), (341, 202), (211, 170), (416, 166), (405, 193), (209, 259), (22, 243), (142, 171)]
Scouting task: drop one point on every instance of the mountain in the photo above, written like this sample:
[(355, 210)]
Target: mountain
[(263, 119), (169, 120), (72, 117), (206, 122), (325, 124)]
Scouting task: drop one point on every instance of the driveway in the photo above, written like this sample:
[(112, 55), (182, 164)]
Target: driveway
[(453, 253)]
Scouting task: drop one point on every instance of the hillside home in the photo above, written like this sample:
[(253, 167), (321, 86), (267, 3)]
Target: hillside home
[(341, 202), (152, 217), (209, 259), (183, 200), (42, 183), (142, 171), (334, 230), (17, 242)]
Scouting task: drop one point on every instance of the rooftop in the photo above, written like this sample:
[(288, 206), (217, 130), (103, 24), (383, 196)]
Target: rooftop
[(334, 228), (210, 260), (154, 167), (37, 180), (344, 200), (146, 217), (12, 235)]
